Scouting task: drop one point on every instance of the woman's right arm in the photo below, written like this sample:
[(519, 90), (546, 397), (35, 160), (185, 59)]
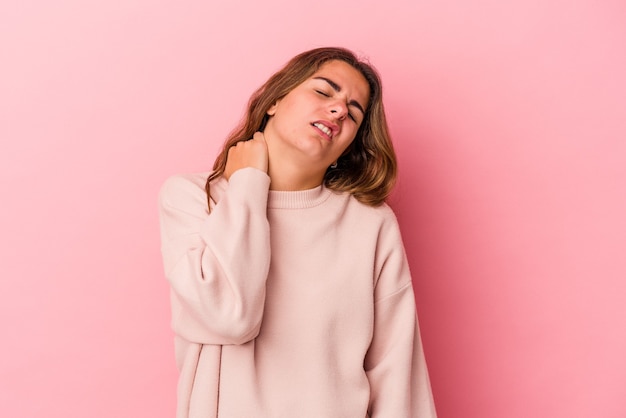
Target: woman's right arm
[(216, 264)]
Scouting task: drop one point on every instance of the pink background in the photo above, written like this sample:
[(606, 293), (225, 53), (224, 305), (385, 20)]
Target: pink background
[(510, 124)]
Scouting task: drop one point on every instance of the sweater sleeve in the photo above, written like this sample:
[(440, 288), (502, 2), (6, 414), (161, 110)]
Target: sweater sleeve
[(395, 364), (216, 263)]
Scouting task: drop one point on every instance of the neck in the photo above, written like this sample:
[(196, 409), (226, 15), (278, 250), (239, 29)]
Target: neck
[(286, 176), (290, 168)]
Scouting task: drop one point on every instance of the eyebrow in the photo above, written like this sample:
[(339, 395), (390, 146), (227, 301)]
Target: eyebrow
[(337, 88)]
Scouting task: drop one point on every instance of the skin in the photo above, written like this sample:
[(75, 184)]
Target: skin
[(293, 151)]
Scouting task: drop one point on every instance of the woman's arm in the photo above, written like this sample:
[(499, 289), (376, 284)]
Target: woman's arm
[(216, 264), (394, 363)]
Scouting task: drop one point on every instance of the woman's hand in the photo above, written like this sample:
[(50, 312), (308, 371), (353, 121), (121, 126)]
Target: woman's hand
[(251, 153)]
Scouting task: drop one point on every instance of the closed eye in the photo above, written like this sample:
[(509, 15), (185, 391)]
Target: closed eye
[(328, 95)]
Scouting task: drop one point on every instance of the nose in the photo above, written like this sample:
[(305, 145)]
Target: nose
[(339, 110)]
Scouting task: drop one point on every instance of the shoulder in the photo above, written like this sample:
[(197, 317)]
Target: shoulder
[(189, 181), (373, 223), (387, 228), (382, 213), (183, 189)]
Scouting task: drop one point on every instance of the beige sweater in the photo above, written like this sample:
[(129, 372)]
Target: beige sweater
[(289, 304)]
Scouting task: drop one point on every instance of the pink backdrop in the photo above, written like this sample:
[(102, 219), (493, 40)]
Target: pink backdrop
[(510, 123)]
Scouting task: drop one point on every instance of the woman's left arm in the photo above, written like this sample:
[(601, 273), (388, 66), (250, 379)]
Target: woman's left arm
[(395, 364)]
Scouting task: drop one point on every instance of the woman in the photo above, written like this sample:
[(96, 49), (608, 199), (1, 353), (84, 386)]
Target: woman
[(291, 293)]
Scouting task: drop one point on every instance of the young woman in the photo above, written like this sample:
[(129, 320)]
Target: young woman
[(291, 293)]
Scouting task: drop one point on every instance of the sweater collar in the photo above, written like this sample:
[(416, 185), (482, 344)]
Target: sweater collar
[(299, 199)]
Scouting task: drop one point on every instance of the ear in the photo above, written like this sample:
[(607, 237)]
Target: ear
[(272, 110)]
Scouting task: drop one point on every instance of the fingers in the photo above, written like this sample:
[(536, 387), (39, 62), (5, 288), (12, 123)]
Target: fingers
[(259, 136), (251, 153)]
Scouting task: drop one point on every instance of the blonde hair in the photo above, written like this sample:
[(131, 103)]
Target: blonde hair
[(368, 168)]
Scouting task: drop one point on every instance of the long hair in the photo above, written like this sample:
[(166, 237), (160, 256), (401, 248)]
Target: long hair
[(368, 167)]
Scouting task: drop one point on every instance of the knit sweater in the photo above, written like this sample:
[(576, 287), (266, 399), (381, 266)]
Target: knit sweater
[(289, 304)]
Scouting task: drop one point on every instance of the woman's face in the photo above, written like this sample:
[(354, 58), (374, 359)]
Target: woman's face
[(315, 122)]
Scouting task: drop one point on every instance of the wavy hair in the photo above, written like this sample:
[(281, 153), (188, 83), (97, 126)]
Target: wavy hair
[(368, 167)]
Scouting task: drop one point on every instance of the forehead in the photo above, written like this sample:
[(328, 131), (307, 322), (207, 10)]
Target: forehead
[(348, 78)]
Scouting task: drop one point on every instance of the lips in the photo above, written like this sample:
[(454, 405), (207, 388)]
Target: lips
[(327, 128)]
